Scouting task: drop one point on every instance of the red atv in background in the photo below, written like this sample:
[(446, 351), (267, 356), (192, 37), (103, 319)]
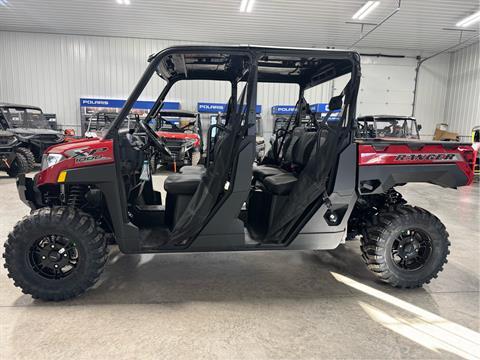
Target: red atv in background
[(182, 133)]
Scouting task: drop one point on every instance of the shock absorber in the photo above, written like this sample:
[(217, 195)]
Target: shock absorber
[(76, 195)]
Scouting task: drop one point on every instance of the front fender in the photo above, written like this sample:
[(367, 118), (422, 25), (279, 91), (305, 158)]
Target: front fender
[(28, 192)]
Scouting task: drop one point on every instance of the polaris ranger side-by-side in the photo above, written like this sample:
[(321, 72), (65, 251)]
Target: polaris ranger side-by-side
[(181, 132), (321, 189), (12, 159), (32, 129), (388, 126)]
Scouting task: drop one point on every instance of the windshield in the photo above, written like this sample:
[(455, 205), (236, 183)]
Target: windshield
[(379, 128), (174, 124), (26, 118)]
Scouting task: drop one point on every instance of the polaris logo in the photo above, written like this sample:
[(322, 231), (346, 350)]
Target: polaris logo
[(211, 107), (286, 109), (94, 102), (428, 157)]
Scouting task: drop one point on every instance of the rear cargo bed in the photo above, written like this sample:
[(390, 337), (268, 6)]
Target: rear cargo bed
[(384, 163)]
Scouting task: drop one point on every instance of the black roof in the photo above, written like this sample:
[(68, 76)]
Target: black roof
[(8, 105), (385, 117), (305, 66)]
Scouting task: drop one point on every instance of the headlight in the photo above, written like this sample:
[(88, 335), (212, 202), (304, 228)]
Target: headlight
[(51, 159)]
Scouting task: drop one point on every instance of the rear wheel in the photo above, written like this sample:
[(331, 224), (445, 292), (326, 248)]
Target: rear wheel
[(405, 246), (55, 253), (18, 166), (28, 154)]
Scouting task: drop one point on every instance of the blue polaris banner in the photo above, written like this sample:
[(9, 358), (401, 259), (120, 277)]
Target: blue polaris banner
[(283, 109), (290, 109), (118, 103), (321, 108), (213, 108)]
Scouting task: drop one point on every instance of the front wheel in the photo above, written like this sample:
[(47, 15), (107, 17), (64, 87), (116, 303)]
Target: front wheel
[(18, 166), (27, 154), (405, 246), (55, 253)]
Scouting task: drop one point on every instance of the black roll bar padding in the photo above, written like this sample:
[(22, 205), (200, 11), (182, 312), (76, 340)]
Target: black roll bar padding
[(276, 154), (137, 91)]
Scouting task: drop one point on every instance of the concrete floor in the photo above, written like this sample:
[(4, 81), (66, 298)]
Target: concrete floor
[(301, 305)]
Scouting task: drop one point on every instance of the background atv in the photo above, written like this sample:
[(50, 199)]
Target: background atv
[(321, 188), (32, 130), (12, 158), (387, 126), (182, 133)]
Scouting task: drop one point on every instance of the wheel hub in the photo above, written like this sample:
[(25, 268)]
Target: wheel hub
[(411, 249), (53, 257), (408, 248)]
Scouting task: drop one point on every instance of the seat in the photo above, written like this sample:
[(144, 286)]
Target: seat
[(193, 169), (303, 150), (262, 171), (281, 184), (182, 184)]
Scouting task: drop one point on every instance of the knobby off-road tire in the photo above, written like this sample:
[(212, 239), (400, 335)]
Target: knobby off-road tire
[(18, 166), (35, 246), (396, 236), (28, 154)]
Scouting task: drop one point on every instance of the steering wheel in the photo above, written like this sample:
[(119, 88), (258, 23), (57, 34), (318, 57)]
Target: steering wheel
[(155, 139)]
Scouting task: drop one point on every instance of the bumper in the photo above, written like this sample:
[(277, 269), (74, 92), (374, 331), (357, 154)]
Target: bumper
[(28, 192)]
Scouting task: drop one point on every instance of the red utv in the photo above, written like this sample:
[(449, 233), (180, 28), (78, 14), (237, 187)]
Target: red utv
[(182, 133), (322, 187)]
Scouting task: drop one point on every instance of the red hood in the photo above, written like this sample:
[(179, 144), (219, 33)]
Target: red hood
[(80, 153), (180, 135), (76, 144)]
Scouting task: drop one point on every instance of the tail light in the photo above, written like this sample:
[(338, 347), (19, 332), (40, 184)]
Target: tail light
[(468, 168), (468, 154)]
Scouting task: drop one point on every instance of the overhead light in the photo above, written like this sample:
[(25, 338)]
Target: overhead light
[(469, 20), (123, 2), (246, 5), (366, 9)]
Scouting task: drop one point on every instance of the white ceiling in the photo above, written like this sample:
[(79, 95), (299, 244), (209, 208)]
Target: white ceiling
[(319, 23)]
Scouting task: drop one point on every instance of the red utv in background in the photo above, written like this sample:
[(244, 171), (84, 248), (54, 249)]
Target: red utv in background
[(182, 133)]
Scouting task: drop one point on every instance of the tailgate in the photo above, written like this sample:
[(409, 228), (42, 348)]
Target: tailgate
[(384, 164)]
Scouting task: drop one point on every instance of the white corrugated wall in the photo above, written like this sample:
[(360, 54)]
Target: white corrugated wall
[(431, 93), (55, 71), (462, 111)]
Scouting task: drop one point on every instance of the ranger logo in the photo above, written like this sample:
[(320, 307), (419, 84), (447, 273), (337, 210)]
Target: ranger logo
[(428, 157)]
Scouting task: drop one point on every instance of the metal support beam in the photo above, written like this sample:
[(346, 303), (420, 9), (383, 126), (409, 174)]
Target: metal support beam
[(377, 25), (421, 61)]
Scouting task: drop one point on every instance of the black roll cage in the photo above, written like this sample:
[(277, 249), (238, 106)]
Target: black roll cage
[(329, 64)]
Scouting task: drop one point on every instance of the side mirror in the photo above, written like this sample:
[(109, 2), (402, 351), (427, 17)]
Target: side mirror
[(335, 103), (419, 127)]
